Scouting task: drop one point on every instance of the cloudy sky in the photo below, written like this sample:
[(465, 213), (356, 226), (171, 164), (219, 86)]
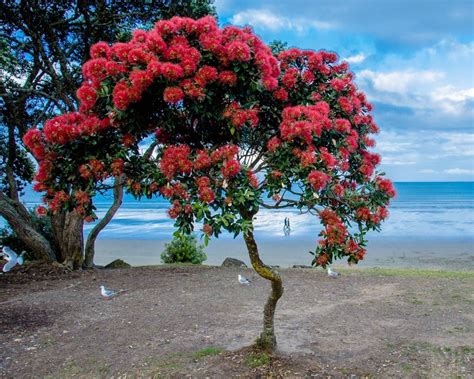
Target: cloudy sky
[(414, 59)]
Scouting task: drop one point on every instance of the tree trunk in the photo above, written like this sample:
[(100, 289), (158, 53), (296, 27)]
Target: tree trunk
[(19, 220), (67, 230), (267, 339), (90, 244)]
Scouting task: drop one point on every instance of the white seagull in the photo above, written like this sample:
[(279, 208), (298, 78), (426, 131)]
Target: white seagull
[(244, 280), (331, 273), (108, 294), (12, 258)]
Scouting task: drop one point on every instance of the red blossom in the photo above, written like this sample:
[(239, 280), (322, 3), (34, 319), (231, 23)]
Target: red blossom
[(230, 168), (318, 180), (207, 229), (173, 95)]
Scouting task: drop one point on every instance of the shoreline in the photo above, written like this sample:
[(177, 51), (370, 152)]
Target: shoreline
[(420, 253)]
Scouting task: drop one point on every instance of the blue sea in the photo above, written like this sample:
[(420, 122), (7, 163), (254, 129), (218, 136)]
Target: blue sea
[(428, 210)]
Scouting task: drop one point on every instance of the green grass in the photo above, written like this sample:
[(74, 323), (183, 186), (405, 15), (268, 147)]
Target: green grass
[(254, 360), (207, 351), (407, 367), (411, 272)]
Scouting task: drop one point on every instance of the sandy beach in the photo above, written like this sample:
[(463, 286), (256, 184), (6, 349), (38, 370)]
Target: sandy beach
[(452, 254)]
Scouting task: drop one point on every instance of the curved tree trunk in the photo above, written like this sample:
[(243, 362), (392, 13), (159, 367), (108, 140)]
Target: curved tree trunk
[(267, 339), (90, 244), (67, 230), (19, 220)]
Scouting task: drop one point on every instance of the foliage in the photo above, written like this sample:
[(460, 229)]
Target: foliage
[(257, 359), (9, 238), (43, 45), (22, 166), (184, 249), (238, 128), (278, 46)]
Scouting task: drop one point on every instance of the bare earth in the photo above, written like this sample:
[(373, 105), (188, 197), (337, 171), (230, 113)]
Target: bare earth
[(199, 322)]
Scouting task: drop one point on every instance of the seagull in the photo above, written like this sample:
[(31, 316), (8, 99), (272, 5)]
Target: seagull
[(12, 258), (244, 280), (332, 273), (108, 294)]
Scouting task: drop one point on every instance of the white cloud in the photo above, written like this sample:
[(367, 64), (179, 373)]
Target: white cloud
[(458, 171), (399, 81), (457, 144), (435, 81), (358, 58), (266, 19)]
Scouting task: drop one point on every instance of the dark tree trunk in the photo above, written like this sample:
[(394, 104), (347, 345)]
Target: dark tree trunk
[(267, 339), (19, 220), (90, 244), (69, 240)]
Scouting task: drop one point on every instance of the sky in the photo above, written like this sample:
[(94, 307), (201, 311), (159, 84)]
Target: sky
[(414, 60)]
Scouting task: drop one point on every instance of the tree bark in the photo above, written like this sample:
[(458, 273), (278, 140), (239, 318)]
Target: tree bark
[(67, 230), (90, 244), (14, 212), (267, 339)]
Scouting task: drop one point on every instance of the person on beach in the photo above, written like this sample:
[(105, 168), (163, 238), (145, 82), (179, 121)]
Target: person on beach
[(286, 227)]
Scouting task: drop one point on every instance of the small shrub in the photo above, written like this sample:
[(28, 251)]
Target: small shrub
[(255, 360), (183, 249)]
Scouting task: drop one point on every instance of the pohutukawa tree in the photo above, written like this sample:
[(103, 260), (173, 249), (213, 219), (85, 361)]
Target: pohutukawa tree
[(238, 130)]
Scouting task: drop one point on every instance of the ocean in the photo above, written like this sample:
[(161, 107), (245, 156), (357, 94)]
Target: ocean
[(421, 210)]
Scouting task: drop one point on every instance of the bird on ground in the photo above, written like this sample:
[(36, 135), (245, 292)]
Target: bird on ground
[(244, 280), (108, 294), (12, 258), (331, 273)]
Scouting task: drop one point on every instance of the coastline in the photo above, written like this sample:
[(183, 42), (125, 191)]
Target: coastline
[(395, 252)]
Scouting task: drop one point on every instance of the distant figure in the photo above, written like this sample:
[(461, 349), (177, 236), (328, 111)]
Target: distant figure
[(286, 227), (244, 280), (12, 258), (331, 273)]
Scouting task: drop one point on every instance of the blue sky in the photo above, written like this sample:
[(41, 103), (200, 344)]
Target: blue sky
[(414, 59)]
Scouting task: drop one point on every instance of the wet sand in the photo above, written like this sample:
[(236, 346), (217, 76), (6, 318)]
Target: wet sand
[(448, 254)]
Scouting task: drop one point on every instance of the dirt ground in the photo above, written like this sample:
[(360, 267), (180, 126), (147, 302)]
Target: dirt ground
[(199, 322)]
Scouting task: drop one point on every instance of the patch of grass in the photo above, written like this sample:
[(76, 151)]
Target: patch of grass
[(411, 272), (207, 351), (90, 368), (407, 367), (254, 360)]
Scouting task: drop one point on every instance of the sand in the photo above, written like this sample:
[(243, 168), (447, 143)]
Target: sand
[(288, 251)]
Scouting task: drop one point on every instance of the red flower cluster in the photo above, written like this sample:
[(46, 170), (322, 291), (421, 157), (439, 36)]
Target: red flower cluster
[(173, 95), (176, 160), (70, 126), (206, 195), (304, 122), (238, 116), (318, 180), (173, 50), (230, 168)]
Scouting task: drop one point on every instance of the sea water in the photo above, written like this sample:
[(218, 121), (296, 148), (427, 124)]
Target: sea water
[(431, 210)]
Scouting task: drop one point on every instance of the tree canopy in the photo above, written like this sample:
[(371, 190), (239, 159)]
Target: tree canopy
[(43, 45), (237, 129)]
